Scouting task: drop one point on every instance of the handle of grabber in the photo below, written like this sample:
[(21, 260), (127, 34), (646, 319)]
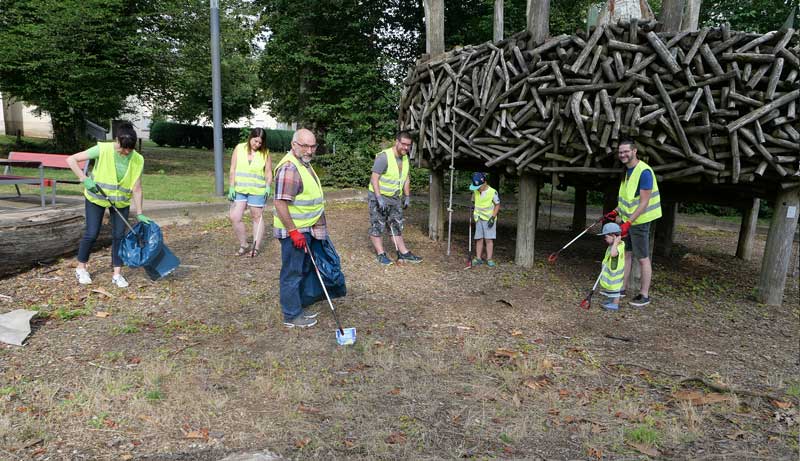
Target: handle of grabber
[(553, 256), (587, 301), (325, 290), (100, 191)]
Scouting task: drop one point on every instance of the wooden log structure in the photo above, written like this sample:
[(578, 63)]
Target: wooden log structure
[(713, 111), (718, 102)]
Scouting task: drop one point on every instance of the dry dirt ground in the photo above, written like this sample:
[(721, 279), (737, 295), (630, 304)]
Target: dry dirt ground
[(449, 363)]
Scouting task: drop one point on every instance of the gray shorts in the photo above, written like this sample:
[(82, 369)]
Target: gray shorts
[(483, 231), (392, 215), (638, 240)]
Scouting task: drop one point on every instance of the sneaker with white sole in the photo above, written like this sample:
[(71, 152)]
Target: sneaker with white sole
[(639, 300), (310, 314), (300, 322), (119, 281), (83, 276)]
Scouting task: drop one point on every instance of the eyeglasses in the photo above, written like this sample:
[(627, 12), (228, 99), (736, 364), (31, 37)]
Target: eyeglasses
[(305, 146), (406, 144)]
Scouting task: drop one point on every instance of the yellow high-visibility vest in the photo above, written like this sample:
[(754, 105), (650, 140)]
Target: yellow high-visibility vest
[(484, 205), (249, 178), (391, 182), (308, 205), (612, 275), (627, 201), (104, 174)]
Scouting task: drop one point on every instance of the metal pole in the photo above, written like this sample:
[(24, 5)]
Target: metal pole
[(216, 95)]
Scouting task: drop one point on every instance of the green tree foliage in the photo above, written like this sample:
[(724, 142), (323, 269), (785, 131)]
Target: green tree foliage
[(324, 67), (78, 59), (189, 94), (748, 15)]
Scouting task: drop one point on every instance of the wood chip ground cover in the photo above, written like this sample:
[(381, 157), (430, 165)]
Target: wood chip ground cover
[(449, 363)]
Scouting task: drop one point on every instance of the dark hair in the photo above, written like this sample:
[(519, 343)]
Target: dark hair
[(404, 134), (126, 136), (629, 142), (261, 134)]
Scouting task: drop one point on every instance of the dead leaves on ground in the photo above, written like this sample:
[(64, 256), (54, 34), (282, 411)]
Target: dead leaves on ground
[(698, 398), (645, 449), (396, 438)]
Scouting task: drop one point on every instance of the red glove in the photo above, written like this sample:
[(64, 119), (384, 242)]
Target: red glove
[(611, 215), (625, 227), (298, 239)]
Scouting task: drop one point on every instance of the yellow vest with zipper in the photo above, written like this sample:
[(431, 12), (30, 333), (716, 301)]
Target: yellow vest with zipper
[(484, 204), (249, 177), (308, 205), (611, 277), (627, 201), (104, 174), (391, 182)]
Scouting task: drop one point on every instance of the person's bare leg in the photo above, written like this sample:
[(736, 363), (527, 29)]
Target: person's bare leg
[(401, 244), (237, 211), (647, 274), (627, 271), (489, 248), (478, 248), (377, 242)]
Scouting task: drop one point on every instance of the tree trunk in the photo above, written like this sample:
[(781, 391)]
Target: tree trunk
[(747, 231), (666, 228), (434, 27), (538, 20), (526, 220), (671, 15), (498, 20), (68, 132), (691, 16), (778, 251), (579, 209), (436, 210)]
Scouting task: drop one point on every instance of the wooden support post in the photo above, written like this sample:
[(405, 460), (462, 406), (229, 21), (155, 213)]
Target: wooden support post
[(666, 228), (498, 20), (579, 209), (538, 20), (436, 210), (494, 180), (434, 27), (778, 250), (610, 197), (747, 231), (526, 219), (671, 15)]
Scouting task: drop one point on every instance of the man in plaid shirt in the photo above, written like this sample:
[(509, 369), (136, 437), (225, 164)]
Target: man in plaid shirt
[(299, 216)]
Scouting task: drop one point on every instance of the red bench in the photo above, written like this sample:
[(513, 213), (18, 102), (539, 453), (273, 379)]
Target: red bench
[(34, 159)]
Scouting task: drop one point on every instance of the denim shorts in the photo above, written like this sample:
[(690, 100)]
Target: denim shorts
[(252, 200)]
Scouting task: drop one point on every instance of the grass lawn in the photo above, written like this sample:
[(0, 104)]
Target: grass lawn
[(169, 174)]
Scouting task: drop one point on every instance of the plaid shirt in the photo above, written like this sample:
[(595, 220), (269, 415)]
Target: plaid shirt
[(289, 184)]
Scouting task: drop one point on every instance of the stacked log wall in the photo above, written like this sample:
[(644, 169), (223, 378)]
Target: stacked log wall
[(713, 106)]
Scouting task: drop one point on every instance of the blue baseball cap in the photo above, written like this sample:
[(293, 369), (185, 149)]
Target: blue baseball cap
[(610, 228), (478, 179)]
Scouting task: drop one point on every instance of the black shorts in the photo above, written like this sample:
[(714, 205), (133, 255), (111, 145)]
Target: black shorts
[(638, 240)]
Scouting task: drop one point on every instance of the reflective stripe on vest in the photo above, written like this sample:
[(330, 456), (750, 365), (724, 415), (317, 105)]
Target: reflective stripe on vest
[(611, 278), (249, 176), (484, 204), (104, 174), (392, 181), (627, 201), (307, 206)]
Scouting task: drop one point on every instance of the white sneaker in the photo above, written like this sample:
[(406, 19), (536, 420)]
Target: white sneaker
[(119, 281), (83, 276)]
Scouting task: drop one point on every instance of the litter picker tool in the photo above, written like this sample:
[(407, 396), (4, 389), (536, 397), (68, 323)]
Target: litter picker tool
[(396, 248), (553, 256), (587, 301), (345, 336), (102, 193), (257, 236)]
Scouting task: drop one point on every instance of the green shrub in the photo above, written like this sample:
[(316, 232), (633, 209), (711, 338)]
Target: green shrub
[(173, 134)]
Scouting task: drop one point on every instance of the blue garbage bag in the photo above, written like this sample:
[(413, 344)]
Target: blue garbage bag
[(139, 247), (330, 268)]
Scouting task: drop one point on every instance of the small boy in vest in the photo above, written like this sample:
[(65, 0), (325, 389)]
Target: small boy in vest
[(486, 205), (613, 268)]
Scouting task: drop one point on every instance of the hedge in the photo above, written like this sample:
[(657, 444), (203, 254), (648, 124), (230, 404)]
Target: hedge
[(181, 135)]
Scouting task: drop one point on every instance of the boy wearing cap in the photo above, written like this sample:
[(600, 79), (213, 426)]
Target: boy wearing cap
[(486, 205), (613, 270)]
